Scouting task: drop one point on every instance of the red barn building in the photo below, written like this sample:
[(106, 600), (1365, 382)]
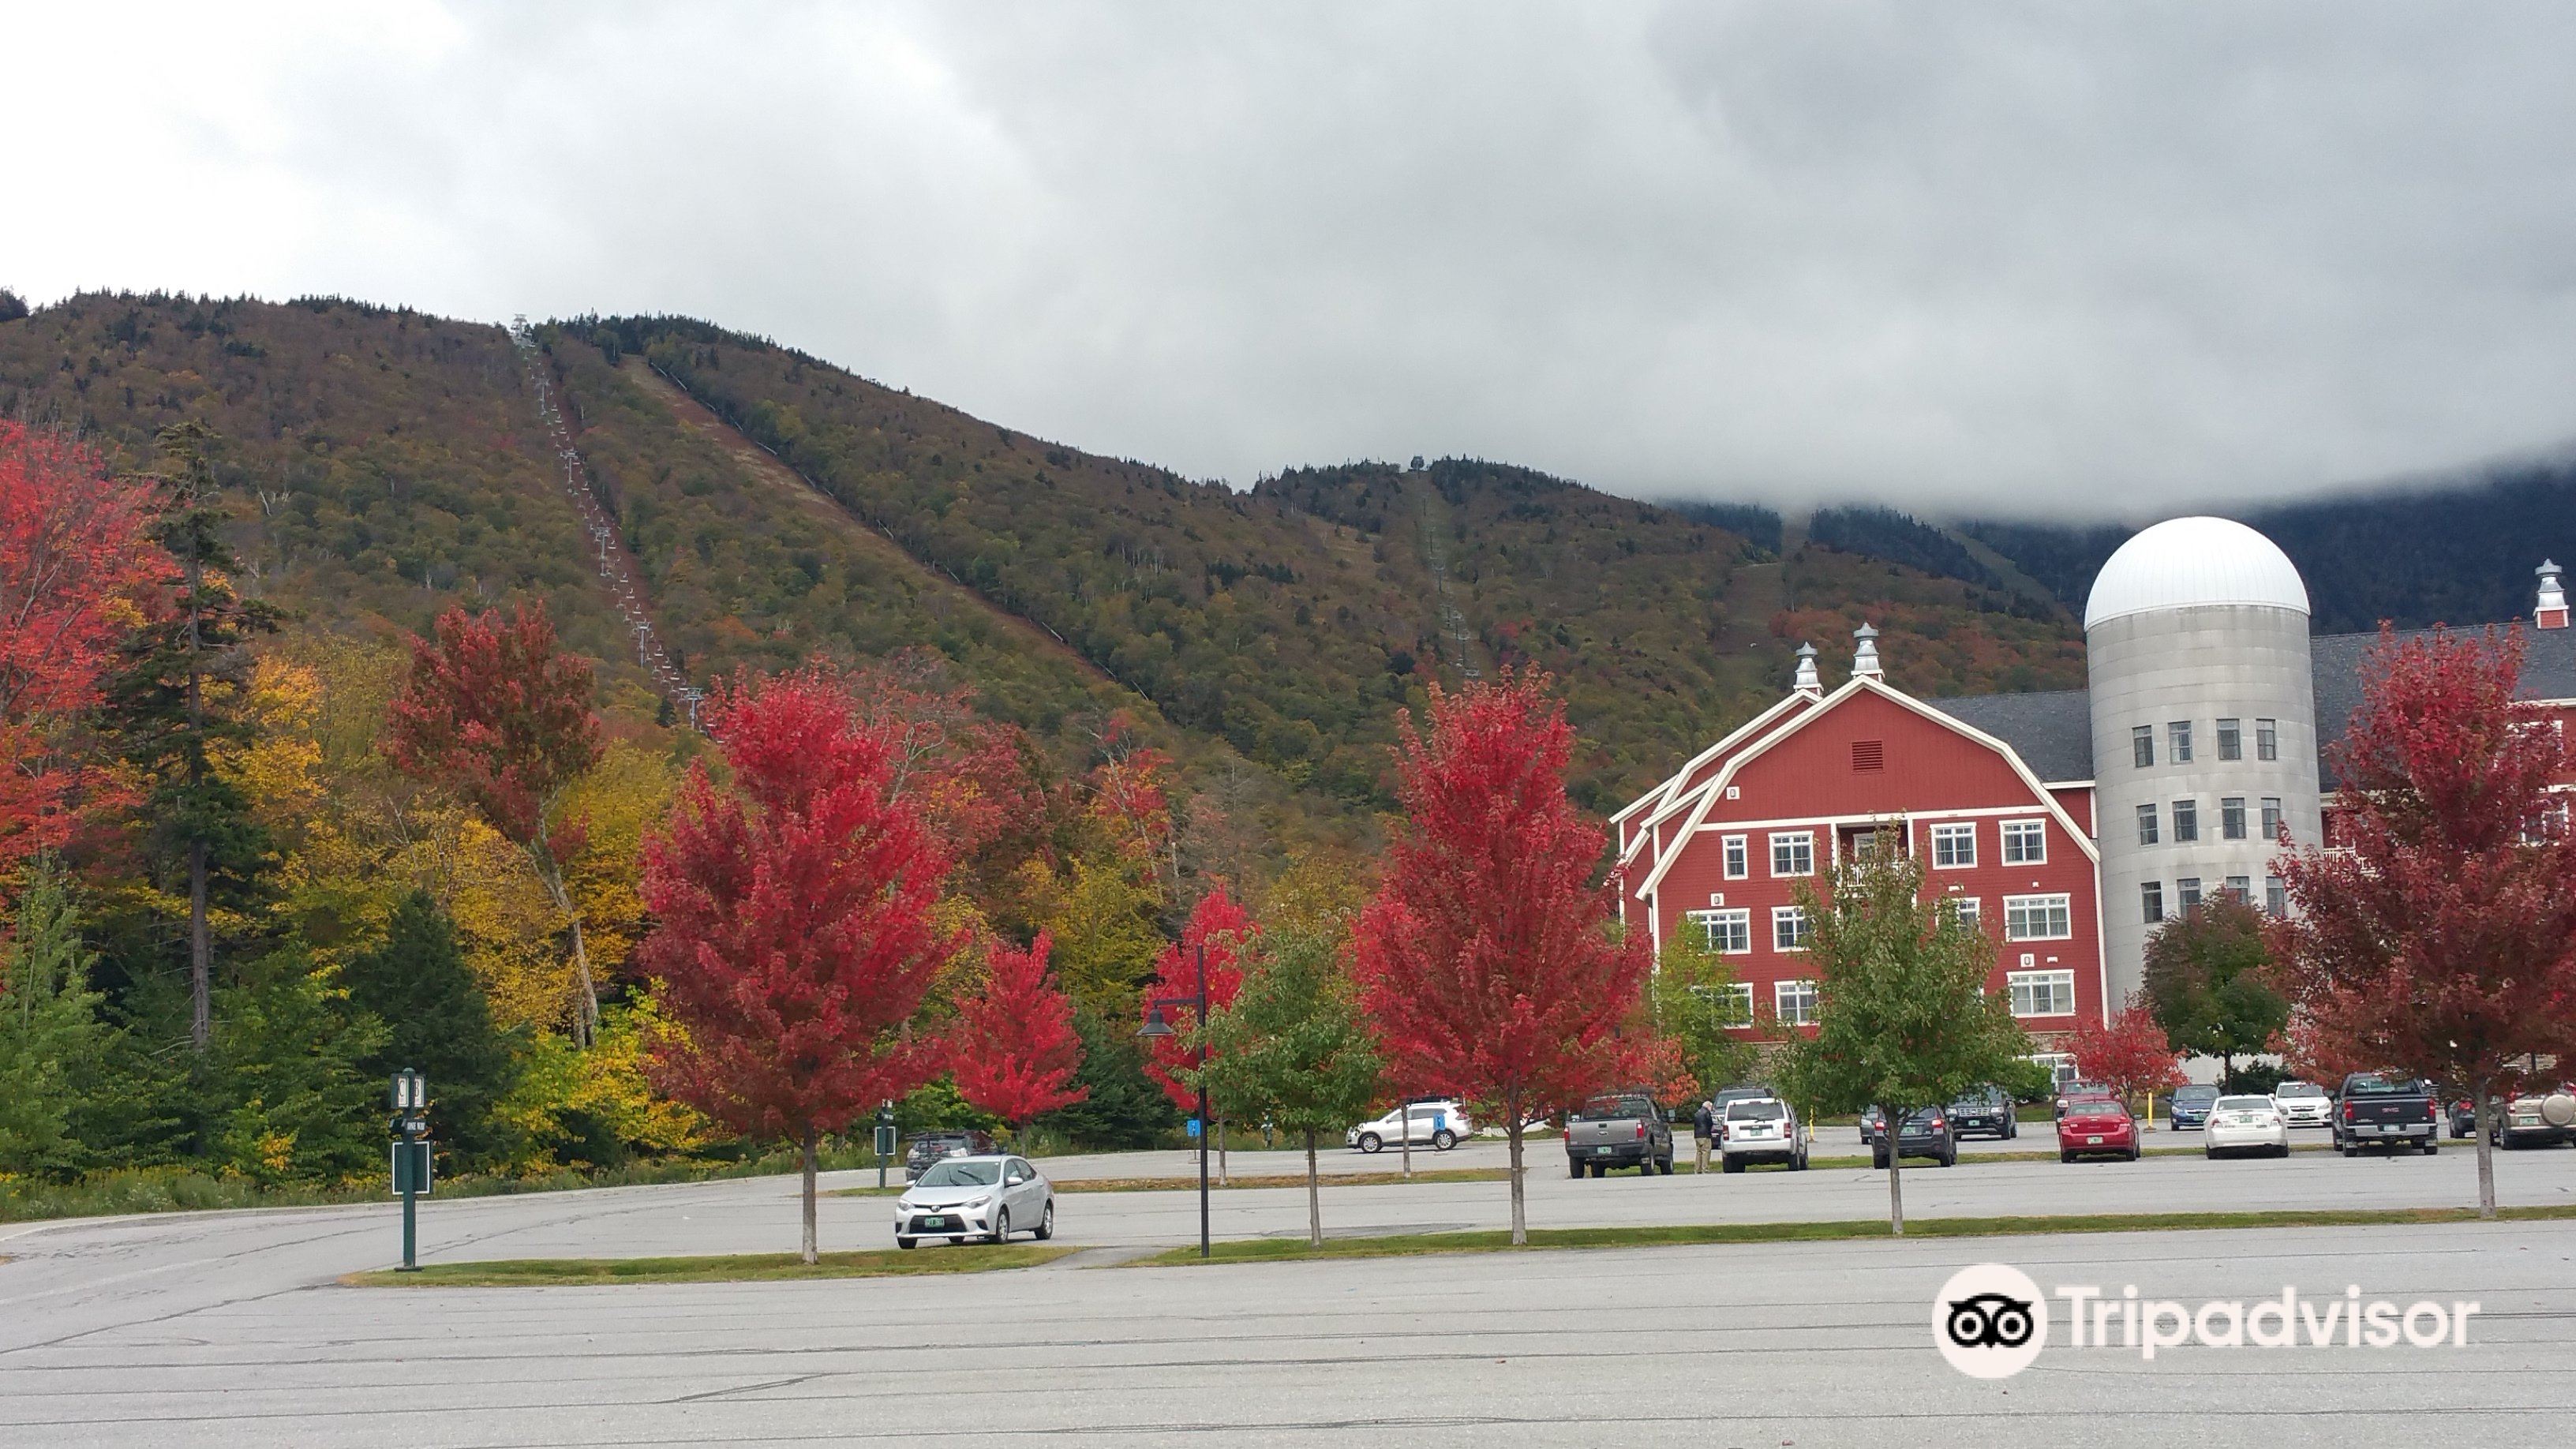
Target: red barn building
[(1720, 847)]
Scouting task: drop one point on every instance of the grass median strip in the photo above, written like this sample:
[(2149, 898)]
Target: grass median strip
[(1283, 1250), (739, 1268)]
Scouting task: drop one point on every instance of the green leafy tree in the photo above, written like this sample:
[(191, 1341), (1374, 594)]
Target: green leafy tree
[(1903, 1019), (51, 1038), (1291, 1049), (177, 706), (2206, 982), (437, 1022), (1696, 1002)]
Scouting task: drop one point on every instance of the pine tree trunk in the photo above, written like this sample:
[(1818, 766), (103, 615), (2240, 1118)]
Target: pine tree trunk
[(201, 951), (1895, 1181), (1314, 1197), (2484, 1120), (811, 1253), (1512, 1135)]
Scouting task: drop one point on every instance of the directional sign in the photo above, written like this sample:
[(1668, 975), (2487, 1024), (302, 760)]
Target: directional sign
[(1194, 1126), (411, 1170)]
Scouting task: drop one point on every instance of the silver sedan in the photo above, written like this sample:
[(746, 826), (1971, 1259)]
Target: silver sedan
[(2245, 1124), (962, 1199)]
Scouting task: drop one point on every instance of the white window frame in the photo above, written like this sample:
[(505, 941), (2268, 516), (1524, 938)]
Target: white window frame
[(2178, 741), (1950, 834), (2056, 907), (1795, 917), (2151, 829), (2267, 739), (1794, 1001), (1739, 917), (1972, 911), (2186, 821), (2271, 815), (2276, 896), (2034, 829), (2157, 888), (1738, 992), (2231, 739), (2231, 824), (1735, 856), (1794, 841), (2026, 987)]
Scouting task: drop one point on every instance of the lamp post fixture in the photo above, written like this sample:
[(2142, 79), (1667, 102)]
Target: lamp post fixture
[(1155, 1025)]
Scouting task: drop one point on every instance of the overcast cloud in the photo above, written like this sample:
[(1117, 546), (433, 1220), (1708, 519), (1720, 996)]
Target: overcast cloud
[(2049, 259)]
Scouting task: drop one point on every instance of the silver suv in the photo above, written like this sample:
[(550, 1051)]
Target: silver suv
[(1762, 1129)]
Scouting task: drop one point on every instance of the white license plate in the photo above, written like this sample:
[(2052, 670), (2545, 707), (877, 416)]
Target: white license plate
[(1605, 1151), (2092, 1141), (934, 1222)]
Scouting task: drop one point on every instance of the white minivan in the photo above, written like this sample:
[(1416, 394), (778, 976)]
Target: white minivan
[(1440, 1124)]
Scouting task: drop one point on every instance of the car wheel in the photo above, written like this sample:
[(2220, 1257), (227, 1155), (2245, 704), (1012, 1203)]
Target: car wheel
[(2351, 1150), (1664, 1165), (1574, 1170), (2135, 1152), (1371, 1142), (1799, 1163), (907, 1244), (1443, 1140), (1731, 1164), (1600, 1170), (1002, 1226), (2432, 1145), (1046, 1222), (1878, 1160), (2065, 1156)]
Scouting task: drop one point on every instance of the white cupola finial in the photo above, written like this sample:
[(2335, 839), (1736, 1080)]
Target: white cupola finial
[(1808, 683), (2551, 611), (1865, 656)]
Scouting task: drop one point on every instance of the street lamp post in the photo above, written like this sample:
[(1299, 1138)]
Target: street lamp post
[(1155, 1025)]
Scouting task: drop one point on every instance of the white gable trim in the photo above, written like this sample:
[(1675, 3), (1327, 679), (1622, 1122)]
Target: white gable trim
[(1707, 795), (1666, 793)]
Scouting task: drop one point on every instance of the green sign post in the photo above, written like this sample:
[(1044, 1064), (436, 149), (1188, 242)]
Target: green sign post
[(410, 1129), (885, 1141)]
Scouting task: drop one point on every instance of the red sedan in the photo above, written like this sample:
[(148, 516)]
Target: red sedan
[(2096, 1127)]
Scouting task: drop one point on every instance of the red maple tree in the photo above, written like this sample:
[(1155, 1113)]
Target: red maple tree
[(2129, 1053), (495, 713), (1486, 958), (794, 938), (2439, 939), (1223, 927), (75, 552), (1013, 1050)]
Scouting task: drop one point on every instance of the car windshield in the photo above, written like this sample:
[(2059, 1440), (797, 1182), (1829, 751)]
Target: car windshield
[(1755, 1111), (2095, 1106), (2375, 1087), (1632, 1109), (2241, 1104), (963, 1174), (2195, 1094), (2299, 1089)]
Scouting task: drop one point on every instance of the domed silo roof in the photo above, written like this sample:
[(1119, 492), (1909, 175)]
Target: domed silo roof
[(2184, 562)]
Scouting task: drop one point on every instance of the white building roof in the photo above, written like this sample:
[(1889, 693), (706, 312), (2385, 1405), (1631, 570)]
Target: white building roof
[(2184, 562)]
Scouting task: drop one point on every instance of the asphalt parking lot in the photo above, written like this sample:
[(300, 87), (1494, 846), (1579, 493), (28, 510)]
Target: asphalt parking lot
[(230, 1328)]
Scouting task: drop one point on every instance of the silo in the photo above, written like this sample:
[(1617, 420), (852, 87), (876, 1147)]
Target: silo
[(2204, 717)]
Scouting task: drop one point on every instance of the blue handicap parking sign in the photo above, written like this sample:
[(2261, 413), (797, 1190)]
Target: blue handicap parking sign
[(1194, 1126)]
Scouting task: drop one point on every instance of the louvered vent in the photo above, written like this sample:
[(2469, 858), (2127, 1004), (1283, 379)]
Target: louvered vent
[(1869, 754)]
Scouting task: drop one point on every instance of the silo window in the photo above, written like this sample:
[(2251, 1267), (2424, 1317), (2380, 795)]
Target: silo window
[(2186, 818), (2271, 817), (2267, 739), (2231, 818), (2151, 901), (2142, 746), (2276, 896), (2147, 824), (2187, 890), (2178, 740), (2231, 739)]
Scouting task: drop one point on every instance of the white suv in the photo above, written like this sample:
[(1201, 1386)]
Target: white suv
[(1440, 1124), (1762, 1129)]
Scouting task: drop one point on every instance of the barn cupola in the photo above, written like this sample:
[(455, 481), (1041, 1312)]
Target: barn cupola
[(1808, 683), (2551, 611), (1865, 653)]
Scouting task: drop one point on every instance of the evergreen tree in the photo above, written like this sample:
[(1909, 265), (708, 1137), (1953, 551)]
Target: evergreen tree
[(436, 1021), (282, 1084), (177, 705), (51, 1038), (1122, 1107)]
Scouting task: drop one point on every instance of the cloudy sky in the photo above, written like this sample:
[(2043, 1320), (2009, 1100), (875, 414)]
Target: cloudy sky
[(2051, 259)]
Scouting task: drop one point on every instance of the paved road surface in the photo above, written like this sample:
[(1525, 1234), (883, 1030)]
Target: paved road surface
[(224, 1329)]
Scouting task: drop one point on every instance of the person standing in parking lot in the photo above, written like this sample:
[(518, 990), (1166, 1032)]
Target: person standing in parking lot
[(1703, 1126)]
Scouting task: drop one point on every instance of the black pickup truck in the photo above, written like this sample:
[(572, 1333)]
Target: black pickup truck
[(2375, 1110)]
